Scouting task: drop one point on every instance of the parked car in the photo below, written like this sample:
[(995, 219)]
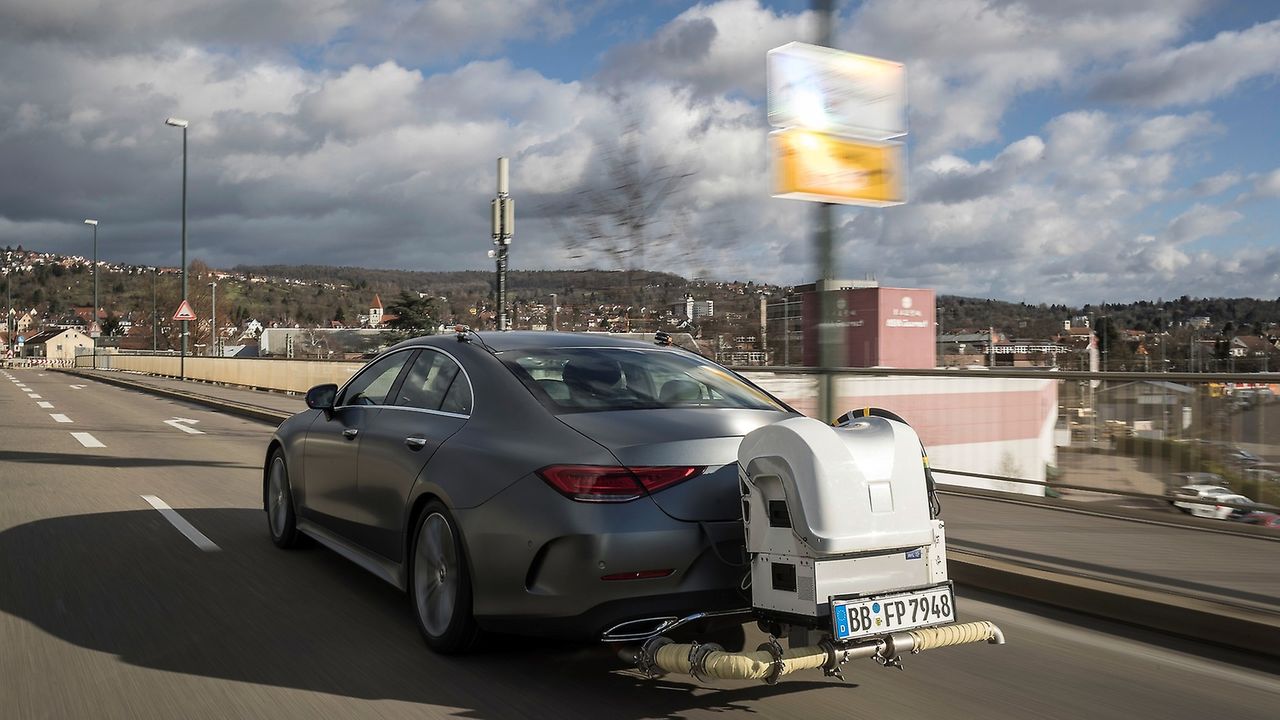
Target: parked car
[(1199, 492), (529, 482), (1266, 474), (1261, 518), (1237, 456), (1200, 478), (1227, 512)]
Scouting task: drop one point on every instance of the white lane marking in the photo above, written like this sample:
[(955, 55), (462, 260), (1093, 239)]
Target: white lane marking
[(179, 423), (1099, 640), (40, 375), (59, 417), (34, 396), (87, 440), (179, 522), (45, 405), (78, 387)]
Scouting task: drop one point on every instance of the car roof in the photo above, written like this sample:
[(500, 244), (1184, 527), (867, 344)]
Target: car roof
[(532, 339), (1205, 487)]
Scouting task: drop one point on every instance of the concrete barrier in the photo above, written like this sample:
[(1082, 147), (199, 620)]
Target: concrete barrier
[(281, 375)]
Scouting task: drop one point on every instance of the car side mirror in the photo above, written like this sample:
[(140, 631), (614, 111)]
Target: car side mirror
[(322, 397)]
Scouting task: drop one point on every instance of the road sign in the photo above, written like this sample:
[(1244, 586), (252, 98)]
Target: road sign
[(819, 88), (810, 165), (184, 312)]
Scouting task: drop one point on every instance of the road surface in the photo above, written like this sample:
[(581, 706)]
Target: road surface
[(108, 609)]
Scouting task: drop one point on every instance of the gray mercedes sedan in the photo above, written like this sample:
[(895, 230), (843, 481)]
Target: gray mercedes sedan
[(541, 483)]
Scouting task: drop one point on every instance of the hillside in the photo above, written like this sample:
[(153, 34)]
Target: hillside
[(315, 295)]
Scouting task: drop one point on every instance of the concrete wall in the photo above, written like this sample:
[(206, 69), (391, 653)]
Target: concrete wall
[(290, 375)]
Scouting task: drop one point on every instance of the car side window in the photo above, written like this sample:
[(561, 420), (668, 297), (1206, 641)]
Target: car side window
[(435, 382), (372, 386), (458, 399)]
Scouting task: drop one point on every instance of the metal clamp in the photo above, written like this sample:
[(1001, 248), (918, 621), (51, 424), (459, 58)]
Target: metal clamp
[(774, 649), (647, 658), (831, 668), (698, 653), (887, 654)]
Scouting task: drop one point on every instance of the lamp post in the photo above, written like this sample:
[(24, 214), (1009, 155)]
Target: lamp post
[(155, 319), (555, 312), (8, 316), (94, 314), (179, 123), (213, 318)]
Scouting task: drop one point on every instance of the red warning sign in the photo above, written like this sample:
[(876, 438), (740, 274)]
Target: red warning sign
[(184, 312)]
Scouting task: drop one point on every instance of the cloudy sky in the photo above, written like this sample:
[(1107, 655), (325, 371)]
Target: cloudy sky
[(1060, 150)]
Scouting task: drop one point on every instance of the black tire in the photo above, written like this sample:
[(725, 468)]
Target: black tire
[(440, 582), (277, 500)]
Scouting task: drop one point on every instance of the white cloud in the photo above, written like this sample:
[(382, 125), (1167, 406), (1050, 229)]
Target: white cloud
[(1201, 221), (1268, 185), (1210, 186), (714, 47), (1167, 131), (1196, 72)]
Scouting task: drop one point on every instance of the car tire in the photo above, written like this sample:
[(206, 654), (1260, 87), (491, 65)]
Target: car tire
[(277, 500), (440, 582)]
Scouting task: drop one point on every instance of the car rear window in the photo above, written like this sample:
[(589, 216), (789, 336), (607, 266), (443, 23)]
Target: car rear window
[(598, 379)]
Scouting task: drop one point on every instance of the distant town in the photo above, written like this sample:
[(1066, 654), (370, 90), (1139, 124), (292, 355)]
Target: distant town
[(350, 313)]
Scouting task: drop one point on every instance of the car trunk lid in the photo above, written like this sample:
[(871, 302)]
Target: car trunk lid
[(705, 437)]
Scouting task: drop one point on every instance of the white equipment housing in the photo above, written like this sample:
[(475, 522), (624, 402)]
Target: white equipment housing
[(834, 513)]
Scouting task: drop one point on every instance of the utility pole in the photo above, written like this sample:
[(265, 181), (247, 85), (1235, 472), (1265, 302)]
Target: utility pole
[(503, 212), (555, 311), (8, 316), (213, 319), (179, 123), (155, 319), (830, 332), (94, 313)]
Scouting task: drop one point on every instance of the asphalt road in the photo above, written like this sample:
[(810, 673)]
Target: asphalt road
[(107, 610)]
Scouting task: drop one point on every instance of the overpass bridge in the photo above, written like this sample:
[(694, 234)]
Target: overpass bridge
[(109, 610)]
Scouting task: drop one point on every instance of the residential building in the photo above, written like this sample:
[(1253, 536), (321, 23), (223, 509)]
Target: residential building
[(60, 345)]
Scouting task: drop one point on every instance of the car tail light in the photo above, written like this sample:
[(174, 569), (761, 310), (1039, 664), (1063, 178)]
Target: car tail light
[(612, 483)]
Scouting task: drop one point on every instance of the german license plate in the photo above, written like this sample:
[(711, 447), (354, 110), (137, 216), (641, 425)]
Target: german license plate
[(881, 614)]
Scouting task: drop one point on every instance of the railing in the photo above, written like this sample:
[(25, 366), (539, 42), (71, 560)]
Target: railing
[(1031, 432)]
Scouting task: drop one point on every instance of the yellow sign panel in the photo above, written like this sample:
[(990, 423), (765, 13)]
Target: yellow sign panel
[(810, 165)]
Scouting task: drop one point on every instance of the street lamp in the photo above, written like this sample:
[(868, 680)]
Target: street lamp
[(213, 317), (555, 310), (94, 315), (179, 123), (155, 319)]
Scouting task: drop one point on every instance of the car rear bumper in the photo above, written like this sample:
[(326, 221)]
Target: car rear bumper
[(539, 562)]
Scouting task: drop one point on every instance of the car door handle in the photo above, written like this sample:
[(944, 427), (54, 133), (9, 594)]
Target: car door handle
[(350, 433), (415, 442)]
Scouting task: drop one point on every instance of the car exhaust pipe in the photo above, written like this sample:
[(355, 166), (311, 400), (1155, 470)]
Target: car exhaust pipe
[(708, 661)]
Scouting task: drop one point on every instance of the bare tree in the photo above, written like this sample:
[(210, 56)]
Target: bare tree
[(633, 215)]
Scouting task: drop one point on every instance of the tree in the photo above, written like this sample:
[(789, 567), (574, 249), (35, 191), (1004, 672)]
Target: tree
[(413, 316), (628, 216), (111, 326)]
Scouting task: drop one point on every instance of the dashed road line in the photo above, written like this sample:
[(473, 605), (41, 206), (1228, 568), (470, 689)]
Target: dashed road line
[(34, 396), (77, 387), (195, 536), (87, 440), (45, 405), (59, 417)]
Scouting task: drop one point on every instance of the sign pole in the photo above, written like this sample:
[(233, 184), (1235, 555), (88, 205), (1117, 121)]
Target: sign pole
[(830, 333)]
